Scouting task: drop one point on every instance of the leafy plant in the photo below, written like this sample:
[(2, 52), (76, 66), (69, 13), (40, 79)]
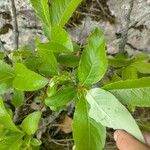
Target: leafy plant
[(130, 67), (18, 137), (62, 73)]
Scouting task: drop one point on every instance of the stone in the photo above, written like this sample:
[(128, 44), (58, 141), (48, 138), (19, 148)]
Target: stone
[(30, 26)]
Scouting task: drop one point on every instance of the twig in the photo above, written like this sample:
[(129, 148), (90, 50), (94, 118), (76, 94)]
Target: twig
[(137, 49), (57, 143), (103, 10), (49, 119), (32, 27), (64, 140), (138, 22), (2, 46), (28, 98), (124, 34), (15, 24), (85, 14)]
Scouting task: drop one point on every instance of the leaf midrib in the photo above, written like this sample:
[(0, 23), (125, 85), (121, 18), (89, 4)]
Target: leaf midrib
[(46, 17), (99, 107), (65, 12)]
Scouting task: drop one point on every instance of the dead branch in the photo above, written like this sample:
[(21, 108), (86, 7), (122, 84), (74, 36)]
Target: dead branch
[(15, 24), (138, 49), (124, 34), (103, 10)]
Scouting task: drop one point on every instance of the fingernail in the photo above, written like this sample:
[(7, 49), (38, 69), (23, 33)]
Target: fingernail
[(115, 135)]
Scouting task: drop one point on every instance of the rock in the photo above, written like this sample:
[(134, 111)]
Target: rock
[(30, 26), (140, 25)]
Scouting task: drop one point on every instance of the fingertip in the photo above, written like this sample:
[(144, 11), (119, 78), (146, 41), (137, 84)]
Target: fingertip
[(147, 137), (116, 134), (125, 141), (122, 139)]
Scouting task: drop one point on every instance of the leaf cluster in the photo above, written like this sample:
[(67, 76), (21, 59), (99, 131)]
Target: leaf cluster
[(65, 73)]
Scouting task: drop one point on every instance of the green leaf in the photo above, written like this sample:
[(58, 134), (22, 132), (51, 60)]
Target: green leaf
[(18, 98), (5, 118), (129, 84), (118, 62), (115, 78), (2, 131), (87, 133), (36, 142), (2, 55), (93, 63), (36, 148), (27, 80), (76, 47), (140, 57), (47, 31), (60, 41), (60, 36), (142, 67), (11, 141), (6, 76), (131, 92), (121, 55), (26, 56), (43, 62), (42, 10), (53, 47), (68, 60), (33, 63), (60, 98), (144, 125), (62, 10), (5, 86), (134, 96), (31, 122), (106, 109), (49, 64), (22, 54), (129, 72), (51, 90), (45, 69), (56, 81)]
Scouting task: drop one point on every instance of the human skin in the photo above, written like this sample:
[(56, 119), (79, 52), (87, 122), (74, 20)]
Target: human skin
[(125, 141)]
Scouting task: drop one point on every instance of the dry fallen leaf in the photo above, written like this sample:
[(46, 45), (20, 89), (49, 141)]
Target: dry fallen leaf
[(66, 125)]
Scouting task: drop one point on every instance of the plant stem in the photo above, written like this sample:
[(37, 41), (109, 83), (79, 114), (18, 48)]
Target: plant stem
[(15, 24), (124, 34)]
